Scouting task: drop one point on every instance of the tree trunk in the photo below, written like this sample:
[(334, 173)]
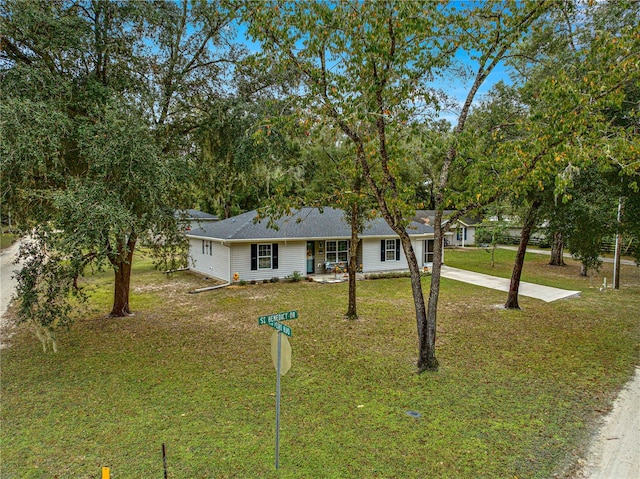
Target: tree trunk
[(353, 263), (426, 334), (122, 279), (429, 361), (557, 250), (514, 286)]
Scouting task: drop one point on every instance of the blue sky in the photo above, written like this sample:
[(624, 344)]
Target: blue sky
[(457, 88)]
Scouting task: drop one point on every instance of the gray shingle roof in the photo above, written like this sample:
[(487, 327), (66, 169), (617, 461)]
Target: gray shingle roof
[(189, 215), (306, 223)]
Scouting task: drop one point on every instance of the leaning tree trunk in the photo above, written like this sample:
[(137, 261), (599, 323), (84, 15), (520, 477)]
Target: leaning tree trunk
[(122, 278), (514, 286), (557, 250), (353, 263)]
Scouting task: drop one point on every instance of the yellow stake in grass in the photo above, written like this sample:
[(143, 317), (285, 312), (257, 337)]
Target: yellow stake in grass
[(105, 473)]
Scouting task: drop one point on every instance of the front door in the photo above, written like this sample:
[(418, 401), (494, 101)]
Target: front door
[(428, 252), (311, 256)]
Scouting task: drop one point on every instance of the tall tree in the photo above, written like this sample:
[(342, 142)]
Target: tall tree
[(333, 177), (572, 78), (528, 226), (98, 101), (367, 69), (243, 158)]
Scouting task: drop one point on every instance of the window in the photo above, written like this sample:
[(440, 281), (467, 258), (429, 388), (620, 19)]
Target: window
[(461, 233), (337, 251), (264, 256), (428, 251), (390, 250), (207, 247)]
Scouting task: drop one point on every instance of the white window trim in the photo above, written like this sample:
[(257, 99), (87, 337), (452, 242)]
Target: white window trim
[(336, 252), (391, 249), (270, 256)]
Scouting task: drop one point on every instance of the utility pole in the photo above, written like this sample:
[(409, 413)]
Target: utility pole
[(616, 259)]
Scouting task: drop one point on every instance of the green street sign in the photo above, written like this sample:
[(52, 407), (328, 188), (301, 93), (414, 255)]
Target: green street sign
[(277, 317), (280, 327)]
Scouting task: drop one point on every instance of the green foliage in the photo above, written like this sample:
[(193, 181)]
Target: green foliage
[(45, 285), (98, 103), (244, 158), (389, 275), (295, 277), (589, 218), (349, 79), (579, 109)]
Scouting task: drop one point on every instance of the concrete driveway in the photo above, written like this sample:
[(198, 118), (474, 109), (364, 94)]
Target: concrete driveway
[(537, 291)]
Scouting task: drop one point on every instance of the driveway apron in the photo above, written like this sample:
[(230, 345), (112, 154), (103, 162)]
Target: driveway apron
[(537, 291)]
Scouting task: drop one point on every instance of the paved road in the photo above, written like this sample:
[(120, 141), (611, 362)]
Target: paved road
[(615, 452), (7, 268), (7, 288), (545, 293)]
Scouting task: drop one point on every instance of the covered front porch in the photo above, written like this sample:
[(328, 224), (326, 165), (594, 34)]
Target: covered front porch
[(330, 257)]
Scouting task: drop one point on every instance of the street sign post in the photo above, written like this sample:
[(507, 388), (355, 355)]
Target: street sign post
[(282, 359)]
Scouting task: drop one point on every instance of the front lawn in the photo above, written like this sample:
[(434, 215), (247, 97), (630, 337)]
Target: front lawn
[(517, 394)]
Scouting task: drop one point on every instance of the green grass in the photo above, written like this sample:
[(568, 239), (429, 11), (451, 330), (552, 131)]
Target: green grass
[(7, 239), (517, 394)]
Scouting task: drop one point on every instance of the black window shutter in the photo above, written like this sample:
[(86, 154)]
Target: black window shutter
[(274, 255), (398, 250), (254, 257), (383, 251)]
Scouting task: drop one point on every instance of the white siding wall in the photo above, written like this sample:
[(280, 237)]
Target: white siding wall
[(214, 262), (371, 258), (471, 237), (418, 249), (292, 256)]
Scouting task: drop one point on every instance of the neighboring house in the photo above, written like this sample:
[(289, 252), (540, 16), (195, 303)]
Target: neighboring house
[(309, 241), (510, 230), (463, 231)]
